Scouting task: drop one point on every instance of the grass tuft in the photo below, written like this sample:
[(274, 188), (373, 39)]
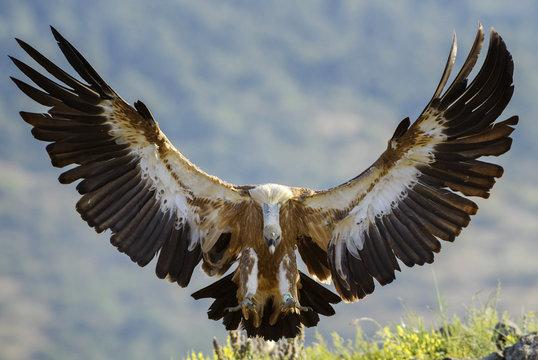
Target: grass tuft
[(480, 332)]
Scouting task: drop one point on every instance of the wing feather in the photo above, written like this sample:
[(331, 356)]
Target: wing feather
[(408, 199), (132, 179)]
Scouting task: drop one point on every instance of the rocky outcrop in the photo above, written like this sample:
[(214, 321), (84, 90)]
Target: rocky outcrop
[(526, 348)]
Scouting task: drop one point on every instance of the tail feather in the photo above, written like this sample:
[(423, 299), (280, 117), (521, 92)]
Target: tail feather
[(224, 292), (311, 294), (288, 325), (319, 298)]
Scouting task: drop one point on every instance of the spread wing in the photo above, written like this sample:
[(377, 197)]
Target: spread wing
[(414, 194), (134, 182)]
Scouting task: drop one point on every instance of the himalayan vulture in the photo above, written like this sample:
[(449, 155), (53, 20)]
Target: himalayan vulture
[(156, 203)]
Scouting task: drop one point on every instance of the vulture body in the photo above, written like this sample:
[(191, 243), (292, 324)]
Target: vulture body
[(156, 203)]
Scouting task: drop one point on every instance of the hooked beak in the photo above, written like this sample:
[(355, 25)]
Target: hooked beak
[(272, 240), (271, 245)]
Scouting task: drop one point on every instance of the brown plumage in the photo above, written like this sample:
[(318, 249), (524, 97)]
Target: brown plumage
[(134, 182)]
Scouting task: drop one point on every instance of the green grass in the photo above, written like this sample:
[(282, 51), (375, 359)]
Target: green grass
[(472, 336)]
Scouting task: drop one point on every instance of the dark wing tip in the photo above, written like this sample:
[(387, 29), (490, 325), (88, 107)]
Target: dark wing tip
[(56, 34), (144, 111), (514, 120), (83, 67), (24, 45), (22, 66), (401, 129)]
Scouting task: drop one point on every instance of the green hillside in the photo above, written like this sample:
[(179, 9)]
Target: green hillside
[(303, 93)]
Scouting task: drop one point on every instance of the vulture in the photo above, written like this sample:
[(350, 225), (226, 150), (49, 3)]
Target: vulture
[(156, 203)]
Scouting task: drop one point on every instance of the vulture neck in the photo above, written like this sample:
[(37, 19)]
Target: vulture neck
[(270, 197)]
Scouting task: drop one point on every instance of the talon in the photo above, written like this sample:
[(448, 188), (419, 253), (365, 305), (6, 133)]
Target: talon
[(303, 308), (233, 308), (245, 304), (289, 303)]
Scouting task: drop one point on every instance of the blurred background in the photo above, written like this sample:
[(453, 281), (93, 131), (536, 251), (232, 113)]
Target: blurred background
[(303, 93)]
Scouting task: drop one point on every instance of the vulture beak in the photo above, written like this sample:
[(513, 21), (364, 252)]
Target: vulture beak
[(272, 239), (272, 249), (271, 245)]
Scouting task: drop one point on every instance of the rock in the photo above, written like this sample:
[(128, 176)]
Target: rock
[(502, 331), (492, 356), (525, 349)]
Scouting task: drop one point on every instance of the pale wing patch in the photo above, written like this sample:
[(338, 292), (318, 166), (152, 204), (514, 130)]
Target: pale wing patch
[(171, 196), (386, 193), (284, 284), (431, 124), (173, 199), (252, 273), (381, 200)]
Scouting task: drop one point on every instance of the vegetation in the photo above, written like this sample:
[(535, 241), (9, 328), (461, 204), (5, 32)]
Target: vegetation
[(479, 333)]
